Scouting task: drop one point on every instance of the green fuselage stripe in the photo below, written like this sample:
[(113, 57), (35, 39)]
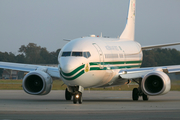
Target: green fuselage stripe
[(112, 63), (93, 66), (114, 67), (132, 62), (72, 78), (74, 71)]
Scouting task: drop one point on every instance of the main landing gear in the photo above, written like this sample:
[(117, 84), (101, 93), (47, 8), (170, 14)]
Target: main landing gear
[(75, 92), (137, 92)]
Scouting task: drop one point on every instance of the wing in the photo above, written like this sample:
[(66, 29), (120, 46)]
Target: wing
[(160, 45), (152, 81), (52, 71), (141, 72)]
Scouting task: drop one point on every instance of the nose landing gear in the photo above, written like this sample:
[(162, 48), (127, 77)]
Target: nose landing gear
[(77, 98), (75, 92), (68, 95)]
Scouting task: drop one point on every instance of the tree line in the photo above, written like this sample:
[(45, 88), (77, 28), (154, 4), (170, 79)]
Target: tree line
[(31, 54), (34, 54), (160, 57)]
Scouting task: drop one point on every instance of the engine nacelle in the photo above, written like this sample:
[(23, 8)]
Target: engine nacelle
[(37, 83), (156, 83)]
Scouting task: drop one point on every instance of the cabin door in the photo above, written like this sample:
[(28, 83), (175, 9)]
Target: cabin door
[(101, 58)]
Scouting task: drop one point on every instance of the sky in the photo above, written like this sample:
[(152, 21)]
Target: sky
[(48, 22)]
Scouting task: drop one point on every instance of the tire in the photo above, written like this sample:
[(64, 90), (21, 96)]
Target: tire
[(135, 94), (74, 99), (68, 95), (80, 98), (145, 97)]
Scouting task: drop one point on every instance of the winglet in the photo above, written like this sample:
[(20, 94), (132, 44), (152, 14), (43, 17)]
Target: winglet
[(128, 33)]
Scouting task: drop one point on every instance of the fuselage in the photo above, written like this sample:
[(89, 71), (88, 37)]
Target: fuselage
[(96, 61)]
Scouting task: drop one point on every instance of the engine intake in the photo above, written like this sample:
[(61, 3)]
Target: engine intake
[(156, 83), (37, 83)]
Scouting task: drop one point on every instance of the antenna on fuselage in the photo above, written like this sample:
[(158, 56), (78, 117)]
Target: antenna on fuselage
[(101, 34), (66, 39)]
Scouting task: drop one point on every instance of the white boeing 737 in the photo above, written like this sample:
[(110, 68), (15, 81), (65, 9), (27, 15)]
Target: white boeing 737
[(93, 62)]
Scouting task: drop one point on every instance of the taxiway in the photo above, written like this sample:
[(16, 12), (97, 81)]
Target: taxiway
[(16, 104)]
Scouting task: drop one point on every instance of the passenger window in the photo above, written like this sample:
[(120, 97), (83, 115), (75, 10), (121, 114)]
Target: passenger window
[(76, 53), (66, 54)]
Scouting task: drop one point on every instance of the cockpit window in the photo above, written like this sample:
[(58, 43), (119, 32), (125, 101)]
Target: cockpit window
[(76, 53), (66, 54), (86, 54)]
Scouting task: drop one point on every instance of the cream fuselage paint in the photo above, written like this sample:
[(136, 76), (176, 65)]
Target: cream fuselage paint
[(108, 56)]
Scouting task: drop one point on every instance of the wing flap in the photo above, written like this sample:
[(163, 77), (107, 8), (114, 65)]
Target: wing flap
[(18, 66), (173, 69), (134, 73), (140, 72), (52, 71)]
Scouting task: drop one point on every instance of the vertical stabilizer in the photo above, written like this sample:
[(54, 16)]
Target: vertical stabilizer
[(128, 33)]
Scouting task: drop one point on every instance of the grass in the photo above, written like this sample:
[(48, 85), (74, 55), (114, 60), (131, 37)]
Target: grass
[(58, 85), (11, 84)]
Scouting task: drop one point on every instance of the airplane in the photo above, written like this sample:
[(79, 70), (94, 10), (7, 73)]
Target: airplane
[(96, 62)]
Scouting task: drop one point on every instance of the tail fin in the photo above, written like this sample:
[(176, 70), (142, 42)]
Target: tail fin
[(128, 33)]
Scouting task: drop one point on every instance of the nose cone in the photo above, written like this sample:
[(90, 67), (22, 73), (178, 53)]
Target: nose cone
[(67, 65), (71, 70)]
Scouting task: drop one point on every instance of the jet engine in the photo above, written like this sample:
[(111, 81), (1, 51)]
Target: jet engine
[(37, 83), (156, 83)]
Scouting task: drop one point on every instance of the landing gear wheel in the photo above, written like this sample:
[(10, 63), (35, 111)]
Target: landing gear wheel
[(80, 98), (135, 94), (145, 97), (75, 99), (68, 95)]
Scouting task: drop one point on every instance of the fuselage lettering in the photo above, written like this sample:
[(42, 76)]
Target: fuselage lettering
[(111, 48)]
